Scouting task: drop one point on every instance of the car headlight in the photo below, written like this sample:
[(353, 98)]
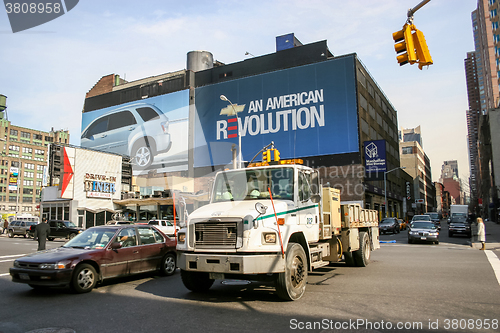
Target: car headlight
[(181, 237), (59, 265), (16, 264)]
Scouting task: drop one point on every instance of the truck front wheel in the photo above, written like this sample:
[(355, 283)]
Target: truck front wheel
[(196, 281), (291, 284), (362, 256)]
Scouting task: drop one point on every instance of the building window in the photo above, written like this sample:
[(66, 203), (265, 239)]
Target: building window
[(29, 166), (25, 135), (13, 148), (39, 152), (15, 164), (407, 150), (37, 137), (27, 150), (27, 199), (13, 132), (49, 139), (27, 182), (28, 174), (39, 167)]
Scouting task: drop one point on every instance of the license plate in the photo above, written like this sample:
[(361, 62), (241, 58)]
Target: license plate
[(24, 276), (216, 276), (423, 238)]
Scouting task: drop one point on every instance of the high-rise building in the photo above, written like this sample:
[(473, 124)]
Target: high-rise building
[(473, 113), (23, 165), (418, 165)]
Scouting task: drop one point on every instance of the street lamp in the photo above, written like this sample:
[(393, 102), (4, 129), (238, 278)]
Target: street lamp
[(385, 186), (224, 98)]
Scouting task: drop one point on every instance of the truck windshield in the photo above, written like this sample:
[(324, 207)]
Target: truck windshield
[(252, 184)]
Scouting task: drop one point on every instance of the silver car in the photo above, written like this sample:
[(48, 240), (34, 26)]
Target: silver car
[(139, 130), (423, 231)]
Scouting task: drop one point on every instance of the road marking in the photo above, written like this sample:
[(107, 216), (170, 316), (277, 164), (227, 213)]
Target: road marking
[(4, 274), (494, 262), (13, 256)]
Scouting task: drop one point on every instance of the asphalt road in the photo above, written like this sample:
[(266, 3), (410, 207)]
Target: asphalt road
[(423, 287)]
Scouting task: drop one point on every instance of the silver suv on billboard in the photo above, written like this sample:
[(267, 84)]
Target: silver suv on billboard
[(138, 130)]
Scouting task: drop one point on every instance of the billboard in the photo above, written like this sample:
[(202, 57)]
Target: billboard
[(152, 131), (306, 111), (91, 174), (375, 158)]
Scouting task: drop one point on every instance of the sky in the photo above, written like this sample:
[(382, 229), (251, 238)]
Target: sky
[(47, 70)]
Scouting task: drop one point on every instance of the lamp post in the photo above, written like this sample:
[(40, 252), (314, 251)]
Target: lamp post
[(385, 186), (224, 98)]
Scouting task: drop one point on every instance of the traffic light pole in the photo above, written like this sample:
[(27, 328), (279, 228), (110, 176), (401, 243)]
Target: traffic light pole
[(412, 11)]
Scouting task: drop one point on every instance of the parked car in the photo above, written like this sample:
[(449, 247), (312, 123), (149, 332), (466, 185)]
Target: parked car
[(423, 231), (138, 130), (20, 228), (62, 229), (459, 225), (97, 254), (165, 225), (389, 224)]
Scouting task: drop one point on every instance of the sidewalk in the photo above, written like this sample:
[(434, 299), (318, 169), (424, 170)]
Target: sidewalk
[(492, 236)]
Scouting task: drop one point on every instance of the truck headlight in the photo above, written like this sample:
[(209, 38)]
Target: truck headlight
[(181, 237), (270, 238)]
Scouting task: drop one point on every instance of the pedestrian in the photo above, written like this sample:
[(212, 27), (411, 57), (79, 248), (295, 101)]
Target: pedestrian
[(481, 233), (42, 231), (5, 225)]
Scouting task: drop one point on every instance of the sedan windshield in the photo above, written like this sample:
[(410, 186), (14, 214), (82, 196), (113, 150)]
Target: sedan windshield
[(253, 184), (93, 238), (422, 225), (422, 218)]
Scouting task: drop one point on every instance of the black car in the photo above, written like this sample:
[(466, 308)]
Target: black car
[(459, 226), (62, 229), (389, 224)]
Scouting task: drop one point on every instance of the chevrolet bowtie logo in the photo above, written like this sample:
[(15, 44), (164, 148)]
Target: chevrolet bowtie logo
[(229, 111)]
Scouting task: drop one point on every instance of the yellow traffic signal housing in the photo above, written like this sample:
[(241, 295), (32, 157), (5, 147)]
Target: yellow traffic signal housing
[(276, 155), (411, 47), (266, 156), (424, 57), (405, 46)]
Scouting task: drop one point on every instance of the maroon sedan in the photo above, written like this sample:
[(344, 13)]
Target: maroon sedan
[(96, 254)]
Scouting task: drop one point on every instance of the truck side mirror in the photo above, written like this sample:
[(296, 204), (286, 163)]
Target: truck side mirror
[(316, 198)]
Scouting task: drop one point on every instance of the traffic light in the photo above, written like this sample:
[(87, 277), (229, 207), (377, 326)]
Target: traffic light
[(266, 156), (404, 46), (423, 55), (411, 46), (276, 155)]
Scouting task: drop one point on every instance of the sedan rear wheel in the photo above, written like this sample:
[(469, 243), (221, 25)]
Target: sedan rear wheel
[(168, 264)]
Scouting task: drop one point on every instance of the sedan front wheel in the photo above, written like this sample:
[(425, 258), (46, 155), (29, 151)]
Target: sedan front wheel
[(84, 278)]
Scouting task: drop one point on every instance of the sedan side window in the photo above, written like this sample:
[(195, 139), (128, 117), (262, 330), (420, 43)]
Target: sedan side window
[(150, 236), (127, 237), (121, 119)]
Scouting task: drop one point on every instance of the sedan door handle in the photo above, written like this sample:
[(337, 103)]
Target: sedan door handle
[(104, 135), (135, 252), (131, 128)]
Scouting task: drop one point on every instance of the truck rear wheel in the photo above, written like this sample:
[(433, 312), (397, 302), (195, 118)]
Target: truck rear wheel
[(196, 281), (291, 284), (362, 256)]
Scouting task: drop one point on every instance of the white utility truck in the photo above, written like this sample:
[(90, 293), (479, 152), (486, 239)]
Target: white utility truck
[(272, 221)]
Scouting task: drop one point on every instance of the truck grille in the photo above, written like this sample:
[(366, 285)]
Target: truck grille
[(218, 234)]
